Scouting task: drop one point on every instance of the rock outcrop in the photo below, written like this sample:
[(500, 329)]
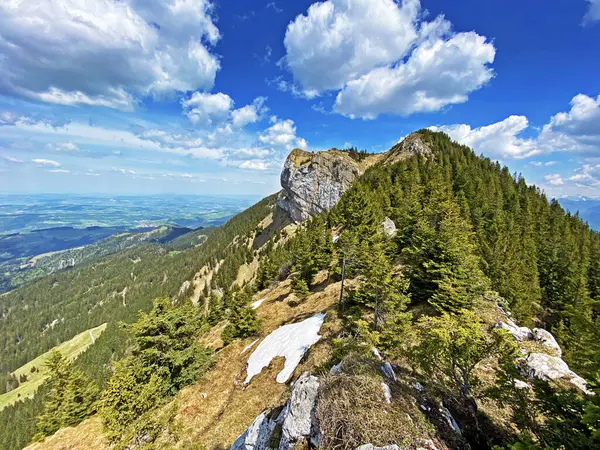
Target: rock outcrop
[(519, 333), (295, 420), (545, 338), (314, 182), (546, 368)]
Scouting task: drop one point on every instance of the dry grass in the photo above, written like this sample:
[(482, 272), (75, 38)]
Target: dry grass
[(85, 436), (352, 411)]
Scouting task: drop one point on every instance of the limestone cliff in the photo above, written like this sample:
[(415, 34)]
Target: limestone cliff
[(314, 182)]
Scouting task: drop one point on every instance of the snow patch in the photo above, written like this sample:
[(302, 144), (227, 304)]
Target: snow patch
[(290, 342), (249, 346), (257, 303)]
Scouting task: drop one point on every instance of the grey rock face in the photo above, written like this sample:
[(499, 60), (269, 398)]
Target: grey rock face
[(545, 338), (314, 182), (545, 367), (519, 333), (299, 417)]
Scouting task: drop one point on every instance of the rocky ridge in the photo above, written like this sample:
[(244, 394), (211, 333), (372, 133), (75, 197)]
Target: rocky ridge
[(314, 182)]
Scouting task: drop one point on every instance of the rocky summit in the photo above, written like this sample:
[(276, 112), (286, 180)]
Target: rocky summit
[(314, 182)]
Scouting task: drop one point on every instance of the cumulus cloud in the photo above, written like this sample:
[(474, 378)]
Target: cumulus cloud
[(282, 134), (554, 179), (593, 13), (249, 113), (588, 175), (105, 53), (207, 109), (45, 162), (575, 130), (254, 164), (500, 139), (384, 58)]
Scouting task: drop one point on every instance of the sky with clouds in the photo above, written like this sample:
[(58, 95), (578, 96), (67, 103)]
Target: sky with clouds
[(209, 96)]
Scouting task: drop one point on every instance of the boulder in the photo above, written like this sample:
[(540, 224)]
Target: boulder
[(372, 447), (388, 371), (389, 227), (545, 338), (545, 367), (257, 435), (298, 420), (519, 333)]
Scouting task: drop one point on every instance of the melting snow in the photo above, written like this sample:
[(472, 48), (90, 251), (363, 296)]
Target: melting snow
[(249, 346), (289, 341), (257, 303)]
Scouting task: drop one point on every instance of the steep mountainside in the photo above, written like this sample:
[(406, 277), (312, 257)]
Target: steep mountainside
[(428, 299)]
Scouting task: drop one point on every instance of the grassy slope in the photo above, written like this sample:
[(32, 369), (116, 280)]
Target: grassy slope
[(70, 349)]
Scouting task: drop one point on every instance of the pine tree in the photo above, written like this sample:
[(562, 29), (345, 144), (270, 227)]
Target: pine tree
[(71, 399), (444, 266)]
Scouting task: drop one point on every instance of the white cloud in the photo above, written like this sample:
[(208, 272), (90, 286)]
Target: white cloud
[(282, 134), (207, 109), (384, 58), (63, 147), (554, 179), (8, 118), (339, 40), (45, 162), (588, 175), (437, 74), (12, 159), (254, 164), (59, 171), (249, 113), (576, 130), (593, 13), (500, 139), (105, 52), (123, 171)]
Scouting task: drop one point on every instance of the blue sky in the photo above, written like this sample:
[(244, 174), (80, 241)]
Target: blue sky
[(209, 97)]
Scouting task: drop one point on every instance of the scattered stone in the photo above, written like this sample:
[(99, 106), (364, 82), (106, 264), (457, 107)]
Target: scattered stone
[(521, 385), (545, 338), (337, 369), (418, 386), (388, 371), (372, 447), (448, 416), (377, 354), (387, 393), (389, 227), (425, 444)]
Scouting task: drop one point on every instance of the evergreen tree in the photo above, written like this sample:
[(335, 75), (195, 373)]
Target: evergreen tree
[(444, 267), (71, 399)]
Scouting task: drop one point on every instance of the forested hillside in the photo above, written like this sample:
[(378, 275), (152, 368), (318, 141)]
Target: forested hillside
[(424, 259), (42, 314)]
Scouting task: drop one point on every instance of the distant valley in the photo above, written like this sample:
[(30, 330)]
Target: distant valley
[(57, 232)]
